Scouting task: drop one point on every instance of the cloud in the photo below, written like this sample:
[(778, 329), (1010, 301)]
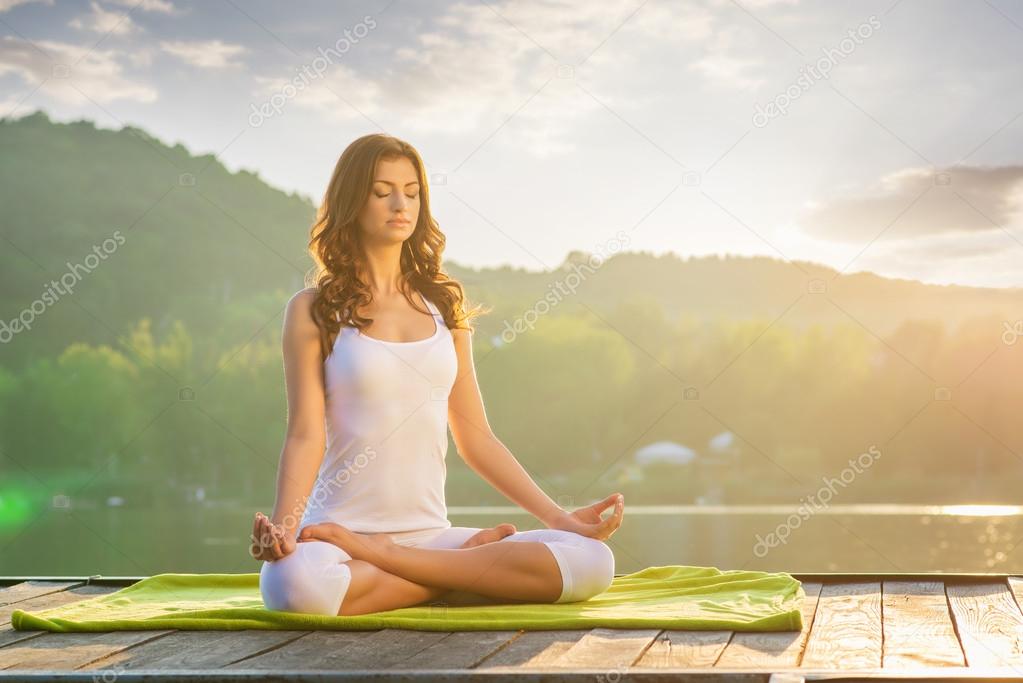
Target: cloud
[(147, 5), (767, 3), (722, 65), (6, 5), (508, 68), (988, 259), (104, 21), (954, 247), (467, 72), (70, 73), (207, 54), (917, 203)]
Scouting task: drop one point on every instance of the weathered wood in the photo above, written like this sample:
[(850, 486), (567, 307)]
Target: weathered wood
[(846, 632), (608, 649), (62, 651), (989, 623), (460, 650), (196, 650), (26, 590), (1016, 587), (786, 678), (685, 649), (918, 629), (9, 636), (326, 650), (534, 649), (46, 598), (756, 650), (383, 649), (903, 625)]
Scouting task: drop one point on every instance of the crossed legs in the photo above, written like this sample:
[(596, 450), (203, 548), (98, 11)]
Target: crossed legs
[(373, 589), (346, 573)]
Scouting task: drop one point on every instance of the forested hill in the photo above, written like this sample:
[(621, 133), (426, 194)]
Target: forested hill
[(162, 370), (222, 252), (200, 244)]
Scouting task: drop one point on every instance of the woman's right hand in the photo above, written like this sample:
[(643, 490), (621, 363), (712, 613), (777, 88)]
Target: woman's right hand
[(269, 541)]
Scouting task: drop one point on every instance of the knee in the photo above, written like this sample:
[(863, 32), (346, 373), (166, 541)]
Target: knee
[(305, 582), (601, 568), (590, 569), (364, 576)]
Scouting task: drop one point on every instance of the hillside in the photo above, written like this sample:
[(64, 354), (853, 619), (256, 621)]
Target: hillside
[(217, 249)]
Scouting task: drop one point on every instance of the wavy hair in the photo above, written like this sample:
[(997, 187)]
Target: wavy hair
[(336, 245)]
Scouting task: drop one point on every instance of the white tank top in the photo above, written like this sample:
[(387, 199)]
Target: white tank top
[(387, 439)]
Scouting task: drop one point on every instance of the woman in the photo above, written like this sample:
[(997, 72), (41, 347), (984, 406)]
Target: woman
[(378, 362)]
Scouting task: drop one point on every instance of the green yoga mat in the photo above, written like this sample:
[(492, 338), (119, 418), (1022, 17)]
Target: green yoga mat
[(670, 597)]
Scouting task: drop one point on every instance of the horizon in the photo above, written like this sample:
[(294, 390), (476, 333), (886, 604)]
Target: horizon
[(682, 258), (802, 131)]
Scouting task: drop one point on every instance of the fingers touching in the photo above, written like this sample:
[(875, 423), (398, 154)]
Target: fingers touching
[(611, 524), (268, 539)]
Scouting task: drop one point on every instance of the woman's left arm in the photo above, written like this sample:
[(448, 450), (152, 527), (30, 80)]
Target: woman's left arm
[(487, 456)]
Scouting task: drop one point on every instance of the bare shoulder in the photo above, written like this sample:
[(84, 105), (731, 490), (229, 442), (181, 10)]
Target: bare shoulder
[(303, 297), (299, 312), (462, 338)]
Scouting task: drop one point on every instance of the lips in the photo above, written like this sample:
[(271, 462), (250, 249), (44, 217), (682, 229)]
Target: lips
[(398, 222)]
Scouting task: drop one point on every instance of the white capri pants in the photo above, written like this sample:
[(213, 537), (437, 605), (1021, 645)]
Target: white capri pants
[(314, 579)]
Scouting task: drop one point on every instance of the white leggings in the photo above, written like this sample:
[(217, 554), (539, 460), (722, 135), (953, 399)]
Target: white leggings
[(314, 578)]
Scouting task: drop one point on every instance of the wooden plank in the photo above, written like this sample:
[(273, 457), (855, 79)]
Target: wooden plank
[(750, 650), (1016, 587), (319, 650), (45, 600), (918, 629), (386, 648), (607, 648), (846, 631), (989, 623), (460, 650), (534, 649), (67, 651), (8, 636), (51, 597), (196, 650), (26, 590), (685, 649)]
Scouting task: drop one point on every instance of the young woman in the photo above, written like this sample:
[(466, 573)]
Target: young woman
[(378, 363)]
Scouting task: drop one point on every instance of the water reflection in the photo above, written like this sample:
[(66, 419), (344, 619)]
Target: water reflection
[(212, 537)]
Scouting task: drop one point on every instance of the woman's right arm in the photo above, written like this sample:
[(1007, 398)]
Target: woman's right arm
[(305, 439)]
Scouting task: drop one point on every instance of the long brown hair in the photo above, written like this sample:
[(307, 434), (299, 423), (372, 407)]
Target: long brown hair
[(336, 247)]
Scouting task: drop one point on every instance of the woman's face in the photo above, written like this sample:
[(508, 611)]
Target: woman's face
[(392, 208)]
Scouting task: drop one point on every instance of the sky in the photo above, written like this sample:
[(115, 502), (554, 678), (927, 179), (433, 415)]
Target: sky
[(867, 136)]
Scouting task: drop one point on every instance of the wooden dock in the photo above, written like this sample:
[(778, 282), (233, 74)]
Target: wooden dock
[(856, 627)]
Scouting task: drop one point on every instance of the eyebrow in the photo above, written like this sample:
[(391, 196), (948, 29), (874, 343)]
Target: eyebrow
[(388, 182)]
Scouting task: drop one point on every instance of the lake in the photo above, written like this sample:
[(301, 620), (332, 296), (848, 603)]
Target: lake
[(210, 537)]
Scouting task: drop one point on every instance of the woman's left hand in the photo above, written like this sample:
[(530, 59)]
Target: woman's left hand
[(586, 521)]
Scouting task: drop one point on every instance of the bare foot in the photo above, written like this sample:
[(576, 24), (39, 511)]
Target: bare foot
[(369, 547), (490, 535)]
